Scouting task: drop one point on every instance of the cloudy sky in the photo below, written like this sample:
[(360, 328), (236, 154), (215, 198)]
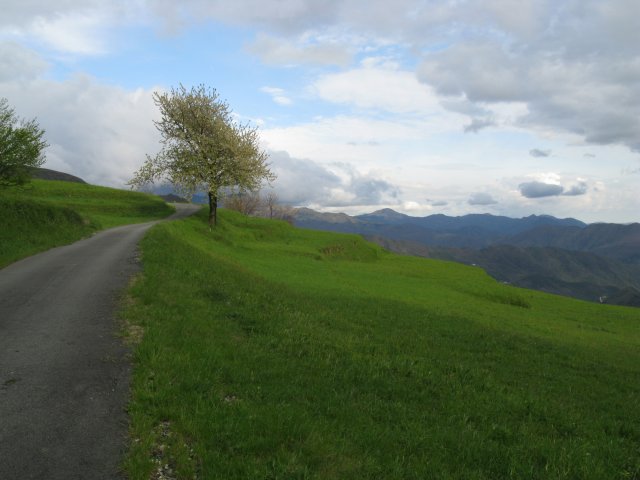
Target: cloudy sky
[(512, 107)]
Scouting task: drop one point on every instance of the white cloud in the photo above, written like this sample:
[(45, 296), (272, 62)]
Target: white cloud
[(610, 201), (573, 64), (551, 184), (278, 95), (571, 73), (76, 28), (542, 73), (303, 182), (481, 199), (378, 85), (570, 65), (75, 33), (398, 148), (279, 51), (336, 138), (22, 14), (482, 71), (522, 18), (551, 178), (98, 132), (478, 124), (286, 16), (578, 188), (19, 63)]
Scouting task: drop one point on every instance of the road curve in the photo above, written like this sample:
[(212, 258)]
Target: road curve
[(64, 374)]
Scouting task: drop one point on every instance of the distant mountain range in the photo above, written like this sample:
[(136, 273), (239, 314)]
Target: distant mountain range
[(468, 231), (597, 262)]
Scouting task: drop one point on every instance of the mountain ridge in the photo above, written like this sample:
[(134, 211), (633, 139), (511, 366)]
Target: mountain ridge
[(468, 231)]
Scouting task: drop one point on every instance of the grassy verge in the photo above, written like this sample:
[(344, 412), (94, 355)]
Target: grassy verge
[(45, 214), (273, 352)]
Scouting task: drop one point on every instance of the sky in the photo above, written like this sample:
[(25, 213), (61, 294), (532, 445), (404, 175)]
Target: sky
[(508, 107)]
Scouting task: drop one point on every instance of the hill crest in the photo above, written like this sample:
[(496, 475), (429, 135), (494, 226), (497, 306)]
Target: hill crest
[(48, 174)]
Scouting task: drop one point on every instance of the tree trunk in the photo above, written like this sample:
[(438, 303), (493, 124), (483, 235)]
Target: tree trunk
[(213, 209)]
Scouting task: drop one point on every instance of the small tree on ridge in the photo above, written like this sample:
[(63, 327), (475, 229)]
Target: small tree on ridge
[(271, 202), (203, 148)]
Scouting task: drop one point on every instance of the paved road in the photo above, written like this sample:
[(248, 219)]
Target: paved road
[(64, 375)]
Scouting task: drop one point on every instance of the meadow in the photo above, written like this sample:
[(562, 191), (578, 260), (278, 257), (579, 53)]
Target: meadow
[(266, 351), (44, 214)]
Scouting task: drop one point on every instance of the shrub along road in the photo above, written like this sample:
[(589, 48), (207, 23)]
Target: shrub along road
[(64, 375)]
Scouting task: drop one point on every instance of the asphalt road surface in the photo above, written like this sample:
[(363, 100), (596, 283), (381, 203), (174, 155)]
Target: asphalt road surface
[(64, 374)]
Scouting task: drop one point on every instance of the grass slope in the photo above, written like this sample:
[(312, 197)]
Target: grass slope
[(45, 214), (276, 353)]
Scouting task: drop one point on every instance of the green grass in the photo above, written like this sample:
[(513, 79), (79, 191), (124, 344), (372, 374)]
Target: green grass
[(45, 214), (277, 353)]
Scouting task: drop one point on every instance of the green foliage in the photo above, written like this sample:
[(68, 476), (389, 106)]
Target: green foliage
[(21, 146), (27, 227), (274, 352), (203, 148), (46, 214)]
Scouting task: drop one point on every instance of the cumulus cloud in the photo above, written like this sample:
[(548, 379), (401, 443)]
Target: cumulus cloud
[(305, 182), (76, 33), (18, 63), (291, 17), (574, 64), (280, 51), (71, 27), (301, 182), (482, 72), (377, 84), (540, 189), (579, 188), (481, 198), (537, 65), (478, 124), (370, 190), (552, 185), (22, 14), (537, 153), (348, 138), (568, 79), (96, 131), (278, 95)]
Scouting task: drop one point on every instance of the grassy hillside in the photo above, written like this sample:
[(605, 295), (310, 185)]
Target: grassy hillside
[(582, 275), (273, 352), (45, 214)]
